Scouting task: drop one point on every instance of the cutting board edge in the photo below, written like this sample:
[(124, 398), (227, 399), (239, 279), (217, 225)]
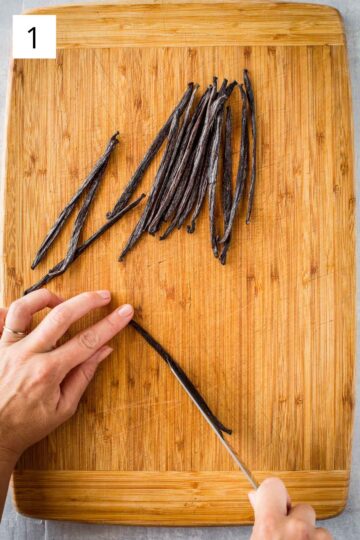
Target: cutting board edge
[(225, 504), (312, 33), (67, 5)]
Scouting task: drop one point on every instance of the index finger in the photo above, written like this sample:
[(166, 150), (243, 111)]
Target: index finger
[(271, 498), (59, 320)]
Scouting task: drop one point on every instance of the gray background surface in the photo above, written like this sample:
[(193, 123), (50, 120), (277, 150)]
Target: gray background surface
[(345, 526)]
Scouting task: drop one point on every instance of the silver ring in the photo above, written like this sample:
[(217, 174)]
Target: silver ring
[(14, 332)]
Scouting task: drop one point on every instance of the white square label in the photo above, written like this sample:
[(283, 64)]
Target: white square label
[(34, 36)]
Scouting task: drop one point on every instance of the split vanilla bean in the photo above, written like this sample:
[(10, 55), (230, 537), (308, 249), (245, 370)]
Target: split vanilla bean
[(66, 212), (107, 225), (174, 366)]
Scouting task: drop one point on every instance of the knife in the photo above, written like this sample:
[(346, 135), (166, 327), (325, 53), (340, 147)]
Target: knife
[(220, 436)]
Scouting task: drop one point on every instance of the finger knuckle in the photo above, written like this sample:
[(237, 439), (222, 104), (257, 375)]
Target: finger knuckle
[(89, 339), (42, 374), (298, 529), (45, 294), (307, 508), (60, 314), (111, 324), (17, 308)]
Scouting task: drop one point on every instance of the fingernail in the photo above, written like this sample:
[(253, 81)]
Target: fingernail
[(126, 311), (252, 498), (104, 294)]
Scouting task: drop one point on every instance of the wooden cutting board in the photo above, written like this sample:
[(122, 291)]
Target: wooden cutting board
[(268, 339)]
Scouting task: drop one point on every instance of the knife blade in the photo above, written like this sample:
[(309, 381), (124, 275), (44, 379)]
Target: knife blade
[(221, 438)]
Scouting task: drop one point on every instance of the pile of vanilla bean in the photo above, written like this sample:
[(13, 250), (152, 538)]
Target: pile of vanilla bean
[(189, 168), (188, 171)]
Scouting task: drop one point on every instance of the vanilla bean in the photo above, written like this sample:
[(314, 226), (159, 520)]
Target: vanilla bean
[(174, 366), (242, 167), (150, 154), (251, 99), (223, 87), (227, 181), (229, 89), (107, 225), (180, 189), (213, 172), (189, 205), (202, 186), (66, 212), (160, 178), (215, 81)]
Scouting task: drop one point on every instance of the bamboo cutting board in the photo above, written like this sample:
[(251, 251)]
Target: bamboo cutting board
[(268, 339)]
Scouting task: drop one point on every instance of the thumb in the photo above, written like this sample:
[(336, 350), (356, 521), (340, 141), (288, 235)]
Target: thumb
[(270, 498), (76, 382)]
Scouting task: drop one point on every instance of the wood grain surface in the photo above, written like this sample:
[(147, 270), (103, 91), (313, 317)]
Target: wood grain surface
[(154, 498), (268, 339), (170, 24)]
